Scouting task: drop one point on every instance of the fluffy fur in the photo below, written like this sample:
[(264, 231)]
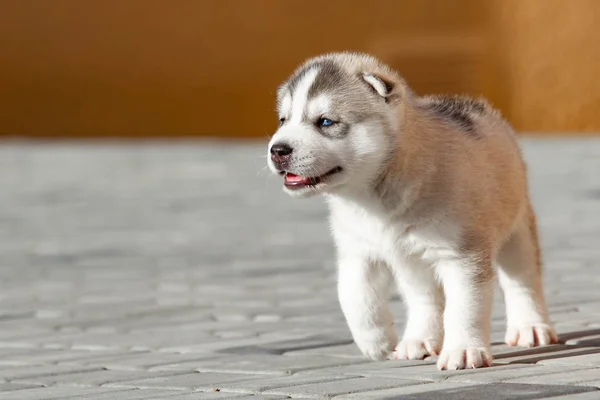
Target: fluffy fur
[(427, 194)]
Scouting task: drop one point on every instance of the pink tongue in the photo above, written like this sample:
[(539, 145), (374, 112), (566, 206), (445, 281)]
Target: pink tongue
[(297, 179)]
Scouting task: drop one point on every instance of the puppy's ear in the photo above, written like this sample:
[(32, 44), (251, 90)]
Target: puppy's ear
[(382, 85)]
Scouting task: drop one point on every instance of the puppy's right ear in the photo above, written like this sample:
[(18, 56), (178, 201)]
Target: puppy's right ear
[(382, 85)]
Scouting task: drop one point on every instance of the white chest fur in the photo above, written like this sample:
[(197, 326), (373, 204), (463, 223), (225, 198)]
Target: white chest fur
[(367, 234)]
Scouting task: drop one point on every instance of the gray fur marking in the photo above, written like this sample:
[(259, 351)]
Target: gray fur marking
[(459, 109), (329, 78)]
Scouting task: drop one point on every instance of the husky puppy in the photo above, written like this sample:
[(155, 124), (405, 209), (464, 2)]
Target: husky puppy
[(427, 193)]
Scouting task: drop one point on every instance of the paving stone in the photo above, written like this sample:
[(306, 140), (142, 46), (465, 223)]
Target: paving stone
[(52, 393), (497, 373), (592, 340), (455, 391), (588, 377), (346, 351), (147, 361), (143, 341), (195, 381), (592, 395), (18, 344), (583, 360), (502, 351), (542, 354), (335, 388), (12, 352), (224, 395), (252, 345), (92, 378), (281, 347), (138, 394), (370, 368), (156, 394), (14, 373), (258, 384), (44, 357), (7, 387), (261, 364), (201, 327), (435, 389)]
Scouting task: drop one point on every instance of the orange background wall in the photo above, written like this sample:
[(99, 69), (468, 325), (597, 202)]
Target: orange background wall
[(549, 52), (210, 68)]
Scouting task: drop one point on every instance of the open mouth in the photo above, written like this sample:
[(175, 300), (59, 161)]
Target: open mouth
[(292, 181)]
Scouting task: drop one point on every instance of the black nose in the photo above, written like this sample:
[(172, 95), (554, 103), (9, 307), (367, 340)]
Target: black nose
[(281, 150)]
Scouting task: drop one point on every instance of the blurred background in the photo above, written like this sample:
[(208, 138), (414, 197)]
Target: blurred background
[(173, 68)]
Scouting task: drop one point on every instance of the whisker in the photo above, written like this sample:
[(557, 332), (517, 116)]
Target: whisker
[(260, 171)]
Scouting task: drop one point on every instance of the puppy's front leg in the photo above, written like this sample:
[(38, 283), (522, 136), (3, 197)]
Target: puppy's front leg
[(363, 289), (424, 299), (469, 290)]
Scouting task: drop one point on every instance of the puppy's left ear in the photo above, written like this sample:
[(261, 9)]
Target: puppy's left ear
[(382, 85)]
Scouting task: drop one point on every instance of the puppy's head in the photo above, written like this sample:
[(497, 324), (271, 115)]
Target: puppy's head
[(338, 121)]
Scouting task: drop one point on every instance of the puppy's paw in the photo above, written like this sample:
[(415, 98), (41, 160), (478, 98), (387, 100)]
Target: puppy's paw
[(415, 349), (470, 357), (377, 344), (533, 335)]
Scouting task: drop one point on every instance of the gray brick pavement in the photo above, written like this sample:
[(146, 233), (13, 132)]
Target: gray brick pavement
[(155, 271)]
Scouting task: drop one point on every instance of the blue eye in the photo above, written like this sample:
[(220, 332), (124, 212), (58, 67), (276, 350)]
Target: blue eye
[(325, 122)]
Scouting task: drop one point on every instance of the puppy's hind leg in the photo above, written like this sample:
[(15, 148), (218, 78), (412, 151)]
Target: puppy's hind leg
[(520, 274)]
